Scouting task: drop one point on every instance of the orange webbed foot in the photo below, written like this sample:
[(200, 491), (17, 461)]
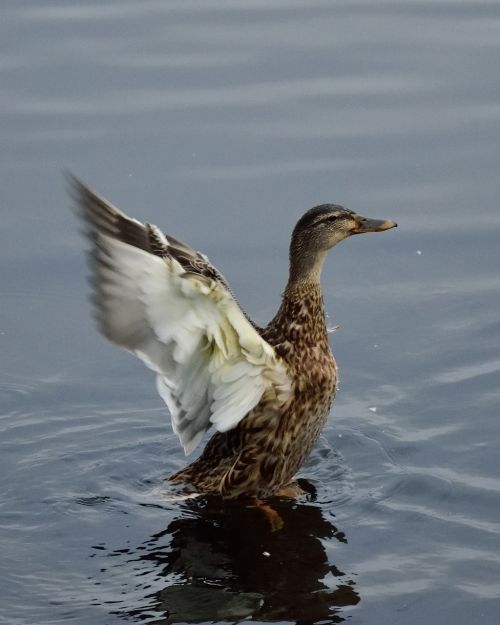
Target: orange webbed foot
[(271, 516)]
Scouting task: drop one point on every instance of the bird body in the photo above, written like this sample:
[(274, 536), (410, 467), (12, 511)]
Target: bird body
[(266, 391)]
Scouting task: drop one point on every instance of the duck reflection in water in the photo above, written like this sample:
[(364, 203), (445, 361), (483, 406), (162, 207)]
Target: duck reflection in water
[(221, 562)]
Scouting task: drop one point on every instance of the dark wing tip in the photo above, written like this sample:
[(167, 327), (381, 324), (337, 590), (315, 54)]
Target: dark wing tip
[(75, 188), (101, 217)]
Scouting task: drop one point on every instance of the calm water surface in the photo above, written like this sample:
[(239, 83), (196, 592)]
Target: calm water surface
[(222, 121)]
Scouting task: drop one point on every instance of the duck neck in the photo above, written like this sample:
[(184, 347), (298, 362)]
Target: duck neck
[(301, 316), (305, 266)]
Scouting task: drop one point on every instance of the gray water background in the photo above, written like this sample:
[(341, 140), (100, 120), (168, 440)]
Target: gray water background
[(222, 121)]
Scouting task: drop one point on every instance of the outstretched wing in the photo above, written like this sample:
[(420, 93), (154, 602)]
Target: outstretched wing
[(167, 304)]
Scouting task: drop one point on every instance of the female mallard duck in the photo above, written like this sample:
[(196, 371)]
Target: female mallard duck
[(266, 391)]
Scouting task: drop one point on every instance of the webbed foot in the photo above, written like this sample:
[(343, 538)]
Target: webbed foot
[(271, 516)]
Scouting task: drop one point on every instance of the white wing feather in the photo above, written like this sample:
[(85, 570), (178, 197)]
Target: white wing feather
[(212, 365)]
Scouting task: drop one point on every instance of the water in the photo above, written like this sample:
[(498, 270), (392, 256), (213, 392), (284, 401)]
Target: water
[(222, 122)]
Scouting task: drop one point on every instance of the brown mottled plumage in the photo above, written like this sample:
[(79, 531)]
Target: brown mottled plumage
[(152, 294)]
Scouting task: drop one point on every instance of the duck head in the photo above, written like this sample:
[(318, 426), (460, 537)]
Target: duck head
[(318, 230)]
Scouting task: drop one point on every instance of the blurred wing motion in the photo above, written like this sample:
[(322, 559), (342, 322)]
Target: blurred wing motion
[(167, 304)]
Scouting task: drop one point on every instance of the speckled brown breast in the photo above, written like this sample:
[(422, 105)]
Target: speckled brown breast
[(298, 334)]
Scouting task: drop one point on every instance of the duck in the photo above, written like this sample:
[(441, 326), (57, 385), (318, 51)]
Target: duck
[(266, 392)]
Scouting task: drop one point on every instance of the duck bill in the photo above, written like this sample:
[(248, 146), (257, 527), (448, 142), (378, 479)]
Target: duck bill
[(373, 225)]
